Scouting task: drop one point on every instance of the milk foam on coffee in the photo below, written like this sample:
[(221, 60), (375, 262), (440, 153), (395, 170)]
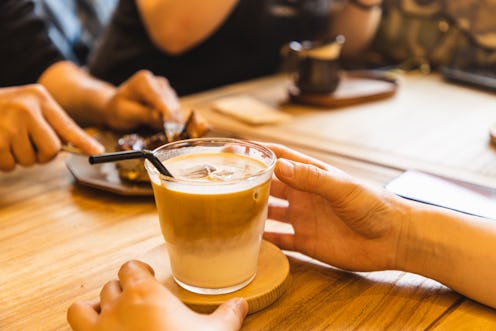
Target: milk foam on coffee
[(212, 216), (226, 169)]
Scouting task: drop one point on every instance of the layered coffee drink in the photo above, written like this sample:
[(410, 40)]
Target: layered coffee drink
[(212, 212)]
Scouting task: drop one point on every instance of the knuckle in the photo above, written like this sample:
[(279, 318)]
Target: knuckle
[(350, 193), (25, 110), (313, 176), (50, 153), (27, 161), (45, 157), (163, 80), (109, 284), (38, 90), (7, 165), (129, 266), (144, 73), (74, 308), (354, 195)]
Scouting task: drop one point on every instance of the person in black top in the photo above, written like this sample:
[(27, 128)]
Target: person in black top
[(32, 123), (26, 47), (200, 45)]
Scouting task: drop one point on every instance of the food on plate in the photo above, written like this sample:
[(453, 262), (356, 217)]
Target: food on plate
[(134, 170)]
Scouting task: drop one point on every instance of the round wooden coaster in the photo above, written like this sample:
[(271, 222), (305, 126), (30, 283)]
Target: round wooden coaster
[(270, 283), (354, 88)]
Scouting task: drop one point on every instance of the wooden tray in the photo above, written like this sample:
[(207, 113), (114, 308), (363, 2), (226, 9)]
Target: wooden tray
[(271, 281), (354, 88)]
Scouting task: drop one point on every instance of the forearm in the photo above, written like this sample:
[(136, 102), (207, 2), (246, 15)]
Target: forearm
[(358, 25), (455, 249), (176, 26), (82, 96)]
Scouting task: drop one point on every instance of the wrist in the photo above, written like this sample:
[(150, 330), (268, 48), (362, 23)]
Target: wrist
[(82, 96), (452, 248), (366, 5), (421, 246), (97, 95)]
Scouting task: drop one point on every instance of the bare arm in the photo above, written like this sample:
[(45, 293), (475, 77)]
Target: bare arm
[(344, 223), (176, 26), (358, 25), (82, 96), (144, 99), (455, 249)]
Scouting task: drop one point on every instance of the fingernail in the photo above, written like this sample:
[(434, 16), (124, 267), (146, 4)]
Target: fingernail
[(240, 304), (286, 168)]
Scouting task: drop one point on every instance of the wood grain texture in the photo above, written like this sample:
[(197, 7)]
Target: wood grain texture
[(468, 315), (61, 242), (428, 125)]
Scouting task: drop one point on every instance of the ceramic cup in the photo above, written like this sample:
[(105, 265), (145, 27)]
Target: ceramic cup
[(318, 65)]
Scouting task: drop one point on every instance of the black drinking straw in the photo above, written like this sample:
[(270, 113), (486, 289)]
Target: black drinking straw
[(128, 155)]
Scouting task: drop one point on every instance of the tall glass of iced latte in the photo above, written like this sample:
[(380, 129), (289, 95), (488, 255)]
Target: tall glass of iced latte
[(212, 211)]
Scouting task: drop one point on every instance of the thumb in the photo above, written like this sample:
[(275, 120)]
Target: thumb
[(332, 183), (230, 315)]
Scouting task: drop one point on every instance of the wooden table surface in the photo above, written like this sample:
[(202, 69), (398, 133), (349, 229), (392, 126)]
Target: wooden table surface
[(61, 241), (429, 125)]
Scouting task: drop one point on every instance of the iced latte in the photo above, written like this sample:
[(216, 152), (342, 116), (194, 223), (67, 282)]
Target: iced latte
[(212, 212)]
